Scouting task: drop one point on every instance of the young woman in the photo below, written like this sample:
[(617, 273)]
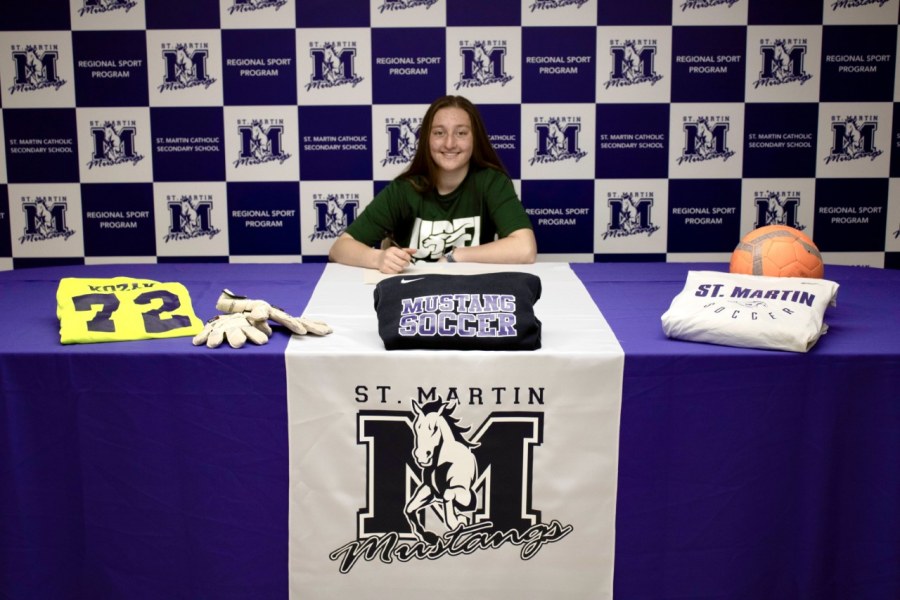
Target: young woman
[(455, 202)]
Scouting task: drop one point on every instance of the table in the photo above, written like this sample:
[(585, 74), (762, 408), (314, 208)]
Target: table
[(750, 473), (157, 469)]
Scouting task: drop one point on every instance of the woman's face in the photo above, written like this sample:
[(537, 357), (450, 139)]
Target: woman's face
[(450, 141)]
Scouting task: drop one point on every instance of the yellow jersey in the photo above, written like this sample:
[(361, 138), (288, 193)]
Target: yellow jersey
[(123, 308)]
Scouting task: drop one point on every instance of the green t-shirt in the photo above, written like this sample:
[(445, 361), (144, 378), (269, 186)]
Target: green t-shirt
[(483, 207)]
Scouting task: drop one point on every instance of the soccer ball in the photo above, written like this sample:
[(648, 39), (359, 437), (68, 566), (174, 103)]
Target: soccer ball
[(777, 251)]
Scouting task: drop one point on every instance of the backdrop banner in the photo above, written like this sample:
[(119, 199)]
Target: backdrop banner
[(250, 131), (449, 473)]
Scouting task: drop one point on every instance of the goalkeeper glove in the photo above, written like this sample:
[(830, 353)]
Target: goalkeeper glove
[(260, 311), (235, 328)]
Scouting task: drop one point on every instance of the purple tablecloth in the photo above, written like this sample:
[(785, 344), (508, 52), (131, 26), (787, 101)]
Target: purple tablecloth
[(752, 473), (146, 469), (156, 469)]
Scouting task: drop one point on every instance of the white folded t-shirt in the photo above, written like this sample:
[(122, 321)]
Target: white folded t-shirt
[(750, 311)]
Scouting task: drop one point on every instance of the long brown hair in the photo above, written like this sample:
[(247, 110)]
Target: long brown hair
[(422, 171)]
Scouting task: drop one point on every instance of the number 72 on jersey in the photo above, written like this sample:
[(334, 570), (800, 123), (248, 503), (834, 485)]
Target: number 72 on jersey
[(123, 308)]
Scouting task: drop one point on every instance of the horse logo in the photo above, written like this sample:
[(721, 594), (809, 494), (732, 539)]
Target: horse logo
[(113, 145), (35, 70), (35, 73), (433, 486), (480, 63), (778, 209), (434, 238), (628, 221), (406, 139), (630, 215), (781, 61), (45, 220), (332, 217), (482, 66), (449, 468), (112, 142), (260, 144), (335, 218), (185, 69), (632, 65), (402, 142), (853, 139), (557, 140), (190, 218), (705, 140), (630, 62), (782, 64), (332, 66), (556, 146)]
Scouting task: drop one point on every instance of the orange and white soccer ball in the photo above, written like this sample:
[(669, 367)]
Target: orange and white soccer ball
[(777, 251)]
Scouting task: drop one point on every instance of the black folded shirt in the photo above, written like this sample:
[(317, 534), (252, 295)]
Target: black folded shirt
[(490, 311)]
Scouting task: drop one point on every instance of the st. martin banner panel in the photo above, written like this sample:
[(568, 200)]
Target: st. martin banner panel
[(448, 474)]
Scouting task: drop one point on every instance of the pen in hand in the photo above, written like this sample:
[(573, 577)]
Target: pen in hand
[(412, 259)]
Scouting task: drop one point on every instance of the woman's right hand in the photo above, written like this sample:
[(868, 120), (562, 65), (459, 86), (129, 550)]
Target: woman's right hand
[(394, 259)]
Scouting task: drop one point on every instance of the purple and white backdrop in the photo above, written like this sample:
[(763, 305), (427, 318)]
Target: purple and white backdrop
[(256, 130)]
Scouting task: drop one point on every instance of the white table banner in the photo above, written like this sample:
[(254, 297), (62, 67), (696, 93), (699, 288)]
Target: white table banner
[(449, 474)]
